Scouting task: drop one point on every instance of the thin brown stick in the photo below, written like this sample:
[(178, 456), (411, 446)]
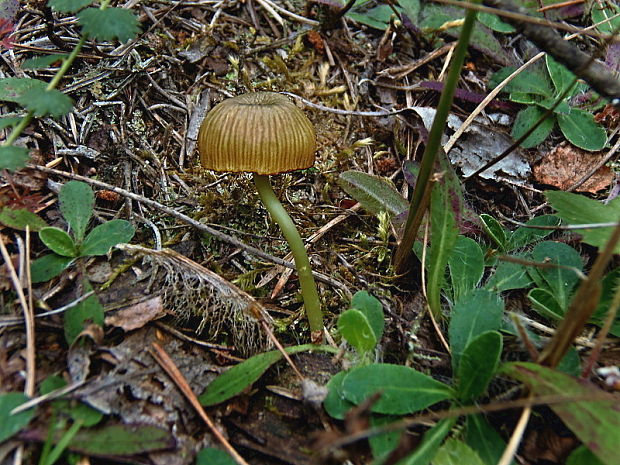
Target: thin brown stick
[(177, 377)]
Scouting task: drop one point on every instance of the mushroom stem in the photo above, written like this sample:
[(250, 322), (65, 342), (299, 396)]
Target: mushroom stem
[(304, 271)]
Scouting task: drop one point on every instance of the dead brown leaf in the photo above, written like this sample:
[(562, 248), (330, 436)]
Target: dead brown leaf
[(137, 315), (566, 164)]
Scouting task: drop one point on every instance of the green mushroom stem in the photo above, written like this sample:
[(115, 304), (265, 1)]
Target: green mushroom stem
[(302, 263)]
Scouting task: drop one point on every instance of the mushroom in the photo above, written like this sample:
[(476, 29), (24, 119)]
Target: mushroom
[(265, 133)]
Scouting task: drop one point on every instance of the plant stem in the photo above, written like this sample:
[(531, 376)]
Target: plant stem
[(419, 201), (304, 271)]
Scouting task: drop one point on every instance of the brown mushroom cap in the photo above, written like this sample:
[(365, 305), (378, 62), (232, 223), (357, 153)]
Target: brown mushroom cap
[(261, 132)]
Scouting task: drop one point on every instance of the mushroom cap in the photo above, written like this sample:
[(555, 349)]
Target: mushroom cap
[(260, 132)]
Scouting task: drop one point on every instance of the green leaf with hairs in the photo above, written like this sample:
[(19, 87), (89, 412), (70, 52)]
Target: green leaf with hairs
[(46, 102), (11, 424), (48, 266), (13, 158), (375, 193), (105, 236), (76, 205), (58, 241), (109, 24), (20, 218), (68, 6)]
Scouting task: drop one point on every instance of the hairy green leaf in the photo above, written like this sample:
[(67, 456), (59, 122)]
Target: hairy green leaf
[(507, 276), (443, 237), (466, 265), (213, 456), (78, 317), (474, 314), (46, 102), (58, 241), (403, 390), (579, 127), (11, 424), (526, 119), (494, 230), (524, 236), (76, 205), (579, 209), (12, 89), (356, 329), (335, 404), (595, 422), (68, 6), (43, 61), (455, 452), (484, 439), (372, 308), (478, 364), (13, 158), (48, 266), (105, 236), (19, 218), (109, 24), (122, 440), (375, 193)]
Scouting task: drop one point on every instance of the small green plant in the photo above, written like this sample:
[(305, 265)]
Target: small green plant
[(76, 206), (539, 88), (39, 98)]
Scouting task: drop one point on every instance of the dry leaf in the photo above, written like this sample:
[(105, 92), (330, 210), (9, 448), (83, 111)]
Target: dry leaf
[(565, 165), (137, 315)]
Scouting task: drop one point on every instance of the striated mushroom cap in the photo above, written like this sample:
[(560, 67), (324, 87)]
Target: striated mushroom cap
[(261, 132)]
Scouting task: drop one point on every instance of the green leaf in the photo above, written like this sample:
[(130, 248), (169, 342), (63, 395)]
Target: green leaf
[(561, 77), (443, 237), (372, 308), (383, 444), (13, 158), (68, 6), (109, 24), (375, 193), (484, 439), (507, 276), (544, 302), (19, 218), (12, 89), (494, 23), (48, 267), (122, 440), (43, 61), (11, 424), (466, 265), (560, 281), (595, 422), (46, 102), (58, 241), (535, 82), (474, 314), (583, 456), (581, 130), (213, 456), (526, 119), (494, 230), (9, 121), (579, 209), (356, 329), (377, 17), (427, 449), (105, 236), (524, 236), (236, 379), (78, 317), (455, 452), (411, 8), (478, 364), (603, 11), (87, 415), (403, 389), (76, 205), (335, 403)]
